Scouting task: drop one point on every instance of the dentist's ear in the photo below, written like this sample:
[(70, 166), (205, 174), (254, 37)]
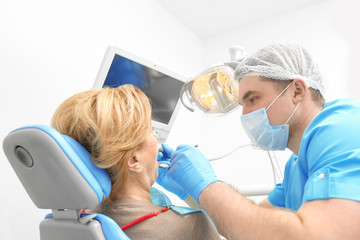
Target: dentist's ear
[(134, 164), (300, 90)]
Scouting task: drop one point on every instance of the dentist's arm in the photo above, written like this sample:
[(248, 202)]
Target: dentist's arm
[(266, 203), (238, 218)]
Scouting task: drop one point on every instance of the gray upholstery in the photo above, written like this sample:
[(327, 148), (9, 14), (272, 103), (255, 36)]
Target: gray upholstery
[(52, 181), (51, 229)]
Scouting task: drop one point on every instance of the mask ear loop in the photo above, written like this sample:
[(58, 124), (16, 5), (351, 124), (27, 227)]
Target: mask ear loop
[(293, 113), (278, 96)]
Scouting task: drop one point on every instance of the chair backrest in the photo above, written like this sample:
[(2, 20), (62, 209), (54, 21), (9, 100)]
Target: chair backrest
[(58, 174)]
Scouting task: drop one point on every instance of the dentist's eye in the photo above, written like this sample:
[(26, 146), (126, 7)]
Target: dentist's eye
[(252, 100)]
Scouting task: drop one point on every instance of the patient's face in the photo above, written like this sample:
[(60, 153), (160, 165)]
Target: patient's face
[(149, 151)]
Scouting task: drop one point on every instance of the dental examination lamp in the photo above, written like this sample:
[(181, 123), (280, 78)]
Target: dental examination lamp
[(214, 91)]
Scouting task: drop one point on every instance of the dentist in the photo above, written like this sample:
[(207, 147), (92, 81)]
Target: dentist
[(281, 92)]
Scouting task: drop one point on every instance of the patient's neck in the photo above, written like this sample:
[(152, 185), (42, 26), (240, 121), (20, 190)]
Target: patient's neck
[(133, 190)]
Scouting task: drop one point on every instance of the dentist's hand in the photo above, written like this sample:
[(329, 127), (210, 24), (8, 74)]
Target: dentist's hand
[(190, 168), (163, 179)]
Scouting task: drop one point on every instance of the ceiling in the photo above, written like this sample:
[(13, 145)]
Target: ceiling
[(209, 18)]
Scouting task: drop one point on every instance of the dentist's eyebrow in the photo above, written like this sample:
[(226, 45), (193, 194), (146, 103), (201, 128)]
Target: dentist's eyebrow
[(247, 95)]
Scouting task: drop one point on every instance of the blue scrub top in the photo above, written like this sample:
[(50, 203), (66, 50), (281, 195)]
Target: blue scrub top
[(328, 164)]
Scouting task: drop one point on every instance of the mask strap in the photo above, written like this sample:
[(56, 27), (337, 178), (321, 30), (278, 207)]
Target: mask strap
[(278, 96), (293, 113)]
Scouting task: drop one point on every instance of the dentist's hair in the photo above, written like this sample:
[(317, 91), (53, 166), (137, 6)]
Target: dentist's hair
[(110, 123)]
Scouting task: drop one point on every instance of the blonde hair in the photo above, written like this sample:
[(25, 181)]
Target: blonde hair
[(110, 123)]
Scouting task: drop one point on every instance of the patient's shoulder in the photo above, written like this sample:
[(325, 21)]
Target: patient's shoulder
[(204, 228)]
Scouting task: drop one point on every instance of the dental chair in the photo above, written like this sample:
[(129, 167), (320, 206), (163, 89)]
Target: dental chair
[(58, 174)]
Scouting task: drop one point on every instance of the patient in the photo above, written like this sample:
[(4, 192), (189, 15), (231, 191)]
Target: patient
[(114, 125)]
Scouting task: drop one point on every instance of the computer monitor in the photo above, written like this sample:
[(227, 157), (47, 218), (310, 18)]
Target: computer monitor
[(160, 85)]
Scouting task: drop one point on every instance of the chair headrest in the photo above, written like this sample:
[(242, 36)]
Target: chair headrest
[(56, 171)]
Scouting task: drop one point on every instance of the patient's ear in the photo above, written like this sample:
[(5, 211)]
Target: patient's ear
[(134, 164)]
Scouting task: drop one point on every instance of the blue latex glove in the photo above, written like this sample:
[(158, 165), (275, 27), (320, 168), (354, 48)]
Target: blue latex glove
[(163, 179), (190, 168)]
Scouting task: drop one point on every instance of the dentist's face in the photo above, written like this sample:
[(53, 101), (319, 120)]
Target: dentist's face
[(256, 92)]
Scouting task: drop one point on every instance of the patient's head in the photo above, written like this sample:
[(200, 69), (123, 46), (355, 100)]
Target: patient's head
[(114, 125)]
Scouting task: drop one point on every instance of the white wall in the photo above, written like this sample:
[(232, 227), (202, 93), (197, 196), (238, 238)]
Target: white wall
[(329, 30), (50, 50), (316, 27)]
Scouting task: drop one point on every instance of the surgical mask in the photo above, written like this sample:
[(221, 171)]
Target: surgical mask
[(262, 134)]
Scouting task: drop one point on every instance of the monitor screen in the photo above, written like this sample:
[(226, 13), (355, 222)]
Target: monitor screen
[(162, 89)]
